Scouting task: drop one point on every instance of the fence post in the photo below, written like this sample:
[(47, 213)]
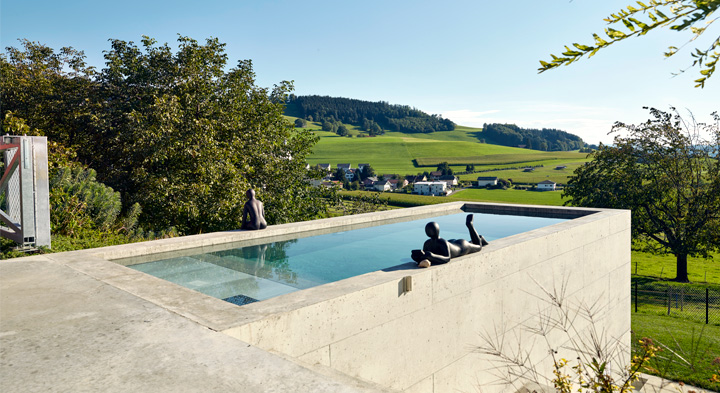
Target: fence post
[(669, 298), (636, 295), (707, 305), (682, 298)]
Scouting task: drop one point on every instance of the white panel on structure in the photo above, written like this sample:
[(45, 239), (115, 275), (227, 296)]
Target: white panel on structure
[(42, 191), (27, 191), (27, 194)]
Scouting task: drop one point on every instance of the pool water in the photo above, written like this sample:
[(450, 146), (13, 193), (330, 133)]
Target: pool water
[(252, 273)]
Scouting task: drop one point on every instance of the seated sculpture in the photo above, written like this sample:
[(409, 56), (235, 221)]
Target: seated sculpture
[(437, 250), (253, 213)]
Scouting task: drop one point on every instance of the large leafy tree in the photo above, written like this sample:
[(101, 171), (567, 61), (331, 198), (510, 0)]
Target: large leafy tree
[(52, 91), (668, 173), (186, 138), (178, 131), (694, 16)]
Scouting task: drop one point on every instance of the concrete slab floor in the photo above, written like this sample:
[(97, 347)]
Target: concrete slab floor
[(653, 384), (64, 331)]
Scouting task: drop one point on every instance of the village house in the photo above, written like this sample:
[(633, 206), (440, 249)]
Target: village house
[(383, 185), (345, 167), (332, 183), (326, 167), (350, 174), (484, 181), (546, 185), (369, 183), (415, 179), (398, 183), (449, 179), (362, 166), (435, 188), (434, 175)]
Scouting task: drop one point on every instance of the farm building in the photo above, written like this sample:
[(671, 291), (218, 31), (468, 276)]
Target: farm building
[(484, 181), (546, 185)]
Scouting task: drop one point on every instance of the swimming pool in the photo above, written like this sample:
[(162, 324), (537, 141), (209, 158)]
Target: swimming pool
[(256, 272)]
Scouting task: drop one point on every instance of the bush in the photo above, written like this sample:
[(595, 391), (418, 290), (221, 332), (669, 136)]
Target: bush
[(80, 203)]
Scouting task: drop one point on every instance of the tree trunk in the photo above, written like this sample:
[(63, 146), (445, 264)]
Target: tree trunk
[(682, 273)]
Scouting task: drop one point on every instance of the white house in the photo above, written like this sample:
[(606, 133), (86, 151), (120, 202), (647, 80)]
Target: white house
[(326, 167), (484, 181), (546, 185), (345, 167), (383, 185), (350, 174), (449, 179), (430, 188)]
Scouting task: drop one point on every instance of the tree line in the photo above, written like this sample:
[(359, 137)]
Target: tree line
[(179, 135), (373, 117), (546, 139)]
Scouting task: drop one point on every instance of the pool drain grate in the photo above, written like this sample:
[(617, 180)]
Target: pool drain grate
[(240, 300)]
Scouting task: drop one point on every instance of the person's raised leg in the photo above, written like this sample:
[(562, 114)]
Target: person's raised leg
[(474, 237)]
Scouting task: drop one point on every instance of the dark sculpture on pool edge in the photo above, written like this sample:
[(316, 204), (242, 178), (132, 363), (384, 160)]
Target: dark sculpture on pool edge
[(437, 250), (253, 213)]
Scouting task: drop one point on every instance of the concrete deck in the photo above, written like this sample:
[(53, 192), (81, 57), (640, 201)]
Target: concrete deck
[(76, 322), (62, 330)]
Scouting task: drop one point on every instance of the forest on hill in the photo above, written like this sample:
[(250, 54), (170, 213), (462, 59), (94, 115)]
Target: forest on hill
[(372, 117), (546, 139)]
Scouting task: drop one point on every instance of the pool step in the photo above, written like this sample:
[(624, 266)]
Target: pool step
[(214, 280)]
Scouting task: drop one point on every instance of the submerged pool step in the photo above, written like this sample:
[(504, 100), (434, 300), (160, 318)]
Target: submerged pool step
[(216, 281)]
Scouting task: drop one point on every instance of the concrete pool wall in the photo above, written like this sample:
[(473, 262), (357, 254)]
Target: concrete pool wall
[(369, 333), (425, 340)]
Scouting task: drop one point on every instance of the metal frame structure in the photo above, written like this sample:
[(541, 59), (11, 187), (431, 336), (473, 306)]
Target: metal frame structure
[(26, 188)]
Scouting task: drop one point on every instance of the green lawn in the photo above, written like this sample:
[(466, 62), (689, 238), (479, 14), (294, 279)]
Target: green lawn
[(508, 196), (520, 157), (700, 270), (691, 351), (479, 195), (547, 172)]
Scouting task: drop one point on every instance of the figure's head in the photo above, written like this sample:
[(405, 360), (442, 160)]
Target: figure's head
[(250, 193), (432, 229)]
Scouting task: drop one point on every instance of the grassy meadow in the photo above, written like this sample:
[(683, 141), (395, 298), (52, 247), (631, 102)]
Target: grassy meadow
[(406, 154), (470, 194), (700, 270), (690, 350), (394, 154)]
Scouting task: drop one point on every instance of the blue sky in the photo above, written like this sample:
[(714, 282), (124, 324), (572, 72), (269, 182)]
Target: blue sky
[(471, 61)]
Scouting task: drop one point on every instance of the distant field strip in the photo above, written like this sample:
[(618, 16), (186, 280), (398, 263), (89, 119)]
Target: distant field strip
[(499, 159), (395, 154)]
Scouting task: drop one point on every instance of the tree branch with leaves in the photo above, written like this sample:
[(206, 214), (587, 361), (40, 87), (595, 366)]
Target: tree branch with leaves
[(642, 18)]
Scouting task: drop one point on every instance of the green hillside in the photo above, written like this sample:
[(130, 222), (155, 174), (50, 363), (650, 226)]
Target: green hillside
[(391, 154), (406, 154)]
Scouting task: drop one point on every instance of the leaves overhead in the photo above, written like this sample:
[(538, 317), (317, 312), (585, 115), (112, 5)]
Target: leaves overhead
[(677, 15)]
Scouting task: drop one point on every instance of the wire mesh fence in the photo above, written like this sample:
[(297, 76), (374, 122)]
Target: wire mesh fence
[(684, 301)]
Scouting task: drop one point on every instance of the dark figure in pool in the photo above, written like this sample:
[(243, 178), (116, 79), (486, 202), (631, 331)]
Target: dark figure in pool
[(437, 250), (253, 213)]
